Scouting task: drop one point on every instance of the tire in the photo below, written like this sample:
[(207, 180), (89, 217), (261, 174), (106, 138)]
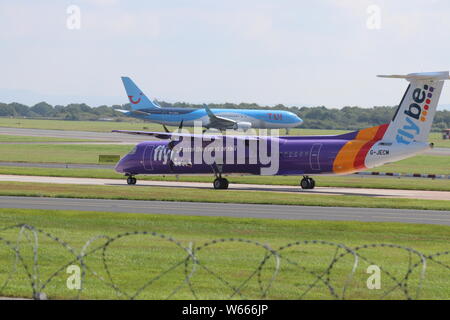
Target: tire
[(225, 183), (220, 183), (312, 183), (217, 184), (131, 180), (305, 183)]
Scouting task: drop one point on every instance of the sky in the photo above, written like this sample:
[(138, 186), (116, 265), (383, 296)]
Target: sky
[(296, 53)]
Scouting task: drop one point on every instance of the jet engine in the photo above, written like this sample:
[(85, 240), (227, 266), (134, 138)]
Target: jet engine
[(242, 126)]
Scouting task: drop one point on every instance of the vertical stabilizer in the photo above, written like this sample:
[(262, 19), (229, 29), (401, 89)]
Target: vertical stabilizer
[(414, 116), (137, 98)]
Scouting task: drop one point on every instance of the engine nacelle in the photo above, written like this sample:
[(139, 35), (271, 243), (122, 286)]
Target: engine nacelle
[(243, 126)]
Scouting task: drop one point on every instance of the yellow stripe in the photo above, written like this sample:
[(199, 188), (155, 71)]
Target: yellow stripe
[(346, 157)]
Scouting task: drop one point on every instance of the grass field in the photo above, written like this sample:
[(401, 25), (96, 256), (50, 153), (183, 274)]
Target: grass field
[(338, 181), (133, 260), (59, 153), (10, 139), (210, 195), (106, 126)]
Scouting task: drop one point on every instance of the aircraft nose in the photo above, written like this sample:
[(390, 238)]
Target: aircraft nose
[(298, 120), (120, 166)]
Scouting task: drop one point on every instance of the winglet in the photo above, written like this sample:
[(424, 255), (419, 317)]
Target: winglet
[(208, 111)]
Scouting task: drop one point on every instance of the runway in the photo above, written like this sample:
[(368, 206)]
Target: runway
[(383, 193), (284, 212)]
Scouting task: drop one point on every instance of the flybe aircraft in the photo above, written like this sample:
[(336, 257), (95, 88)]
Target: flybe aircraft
[(222, 119), (404, 136)]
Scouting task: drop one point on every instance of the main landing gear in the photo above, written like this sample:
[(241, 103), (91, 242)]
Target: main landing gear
[(131, 180), (307, 183), (219, 182)]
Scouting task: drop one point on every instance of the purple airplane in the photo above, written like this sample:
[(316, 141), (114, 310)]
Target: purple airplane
[(185, 153)]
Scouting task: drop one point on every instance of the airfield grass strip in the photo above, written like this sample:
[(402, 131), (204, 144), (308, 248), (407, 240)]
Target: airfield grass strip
[(137, 258), (211, 195), (341, 181)]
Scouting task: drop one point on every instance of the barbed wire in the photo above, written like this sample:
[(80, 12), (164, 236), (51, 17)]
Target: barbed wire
[(281, 267)]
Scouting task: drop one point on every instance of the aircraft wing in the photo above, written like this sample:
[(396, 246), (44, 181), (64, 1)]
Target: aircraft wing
[(170, 135), (138, 112), (217, 121)]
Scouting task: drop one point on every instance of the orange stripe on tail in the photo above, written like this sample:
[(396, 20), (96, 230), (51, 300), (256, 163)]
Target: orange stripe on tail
[(352, 155)]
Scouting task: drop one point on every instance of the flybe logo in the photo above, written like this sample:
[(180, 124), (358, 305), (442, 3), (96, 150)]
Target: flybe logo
[(415, 112)]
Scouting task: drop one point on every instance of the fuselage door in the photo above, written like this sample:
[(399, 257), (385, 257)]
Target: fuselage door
[(148, 157), (314, 156)]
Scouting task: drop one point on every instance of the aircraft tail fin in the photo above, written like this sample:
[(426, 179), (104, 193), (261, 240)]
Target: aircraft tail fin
[(137, 98), (414, 116)]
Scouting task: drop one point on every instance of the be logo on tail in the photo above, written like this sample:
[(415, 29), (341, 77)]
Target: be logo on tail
[(420, 96)]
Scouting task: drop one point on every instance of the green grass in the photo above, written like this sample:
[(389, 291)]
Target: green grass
[(418, 164), (98, 126), (210, 195), (59, 153), (11, 138), (325, 181), (134, 259), (135, 124)]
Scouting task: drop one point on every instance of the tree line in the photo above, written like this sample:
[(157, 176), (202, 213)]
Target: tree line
[(320, 117)]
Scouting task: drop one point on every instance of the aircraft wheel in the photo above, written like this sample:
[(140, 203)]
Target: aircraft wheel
[(220, 183), (131, 180), (307, 183)]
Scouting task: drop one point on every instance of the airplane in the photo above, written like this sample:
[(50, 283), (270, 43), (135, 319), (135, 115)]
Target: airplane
[(238, 119), (404, 136)]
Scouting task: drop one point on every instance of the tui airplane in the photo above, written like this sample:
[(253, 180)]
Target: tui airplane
[(184, 153), (222, 119)]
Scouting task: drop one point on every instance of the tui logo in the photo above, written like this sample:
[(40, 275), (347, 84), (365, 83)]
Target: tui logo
[(417, 111), (135, 101)]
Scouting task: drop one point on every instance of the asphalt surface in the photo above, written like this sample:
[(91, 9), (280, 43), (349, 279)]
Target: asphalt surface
[(283, 212), (382, 193), (111, 166)]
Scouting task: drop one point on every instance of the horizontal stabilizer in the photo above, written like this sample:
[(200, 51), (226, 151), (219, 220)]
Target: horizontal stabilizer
[(431, 76)]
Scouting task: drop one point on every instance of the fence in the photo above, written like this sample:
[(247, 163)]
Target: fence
[(274, 275)]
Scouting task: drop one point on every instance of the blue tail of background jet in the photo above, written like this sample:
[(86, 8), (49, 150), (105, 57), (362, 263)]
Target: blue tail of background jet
[(137, 98)]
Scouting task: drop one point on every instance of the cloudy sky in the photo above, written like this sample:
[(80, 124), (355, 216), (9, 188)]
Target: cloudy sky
[(324, 52)]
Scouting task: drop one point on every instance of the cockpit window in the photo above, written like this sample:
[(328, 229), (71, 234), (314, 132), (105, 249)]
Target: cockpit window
[(133, 151)]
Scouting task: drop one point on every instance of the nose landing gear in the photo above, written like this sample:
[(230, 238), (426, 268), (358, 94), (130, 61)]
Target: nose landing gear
[(307, 183), (131, 180)]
